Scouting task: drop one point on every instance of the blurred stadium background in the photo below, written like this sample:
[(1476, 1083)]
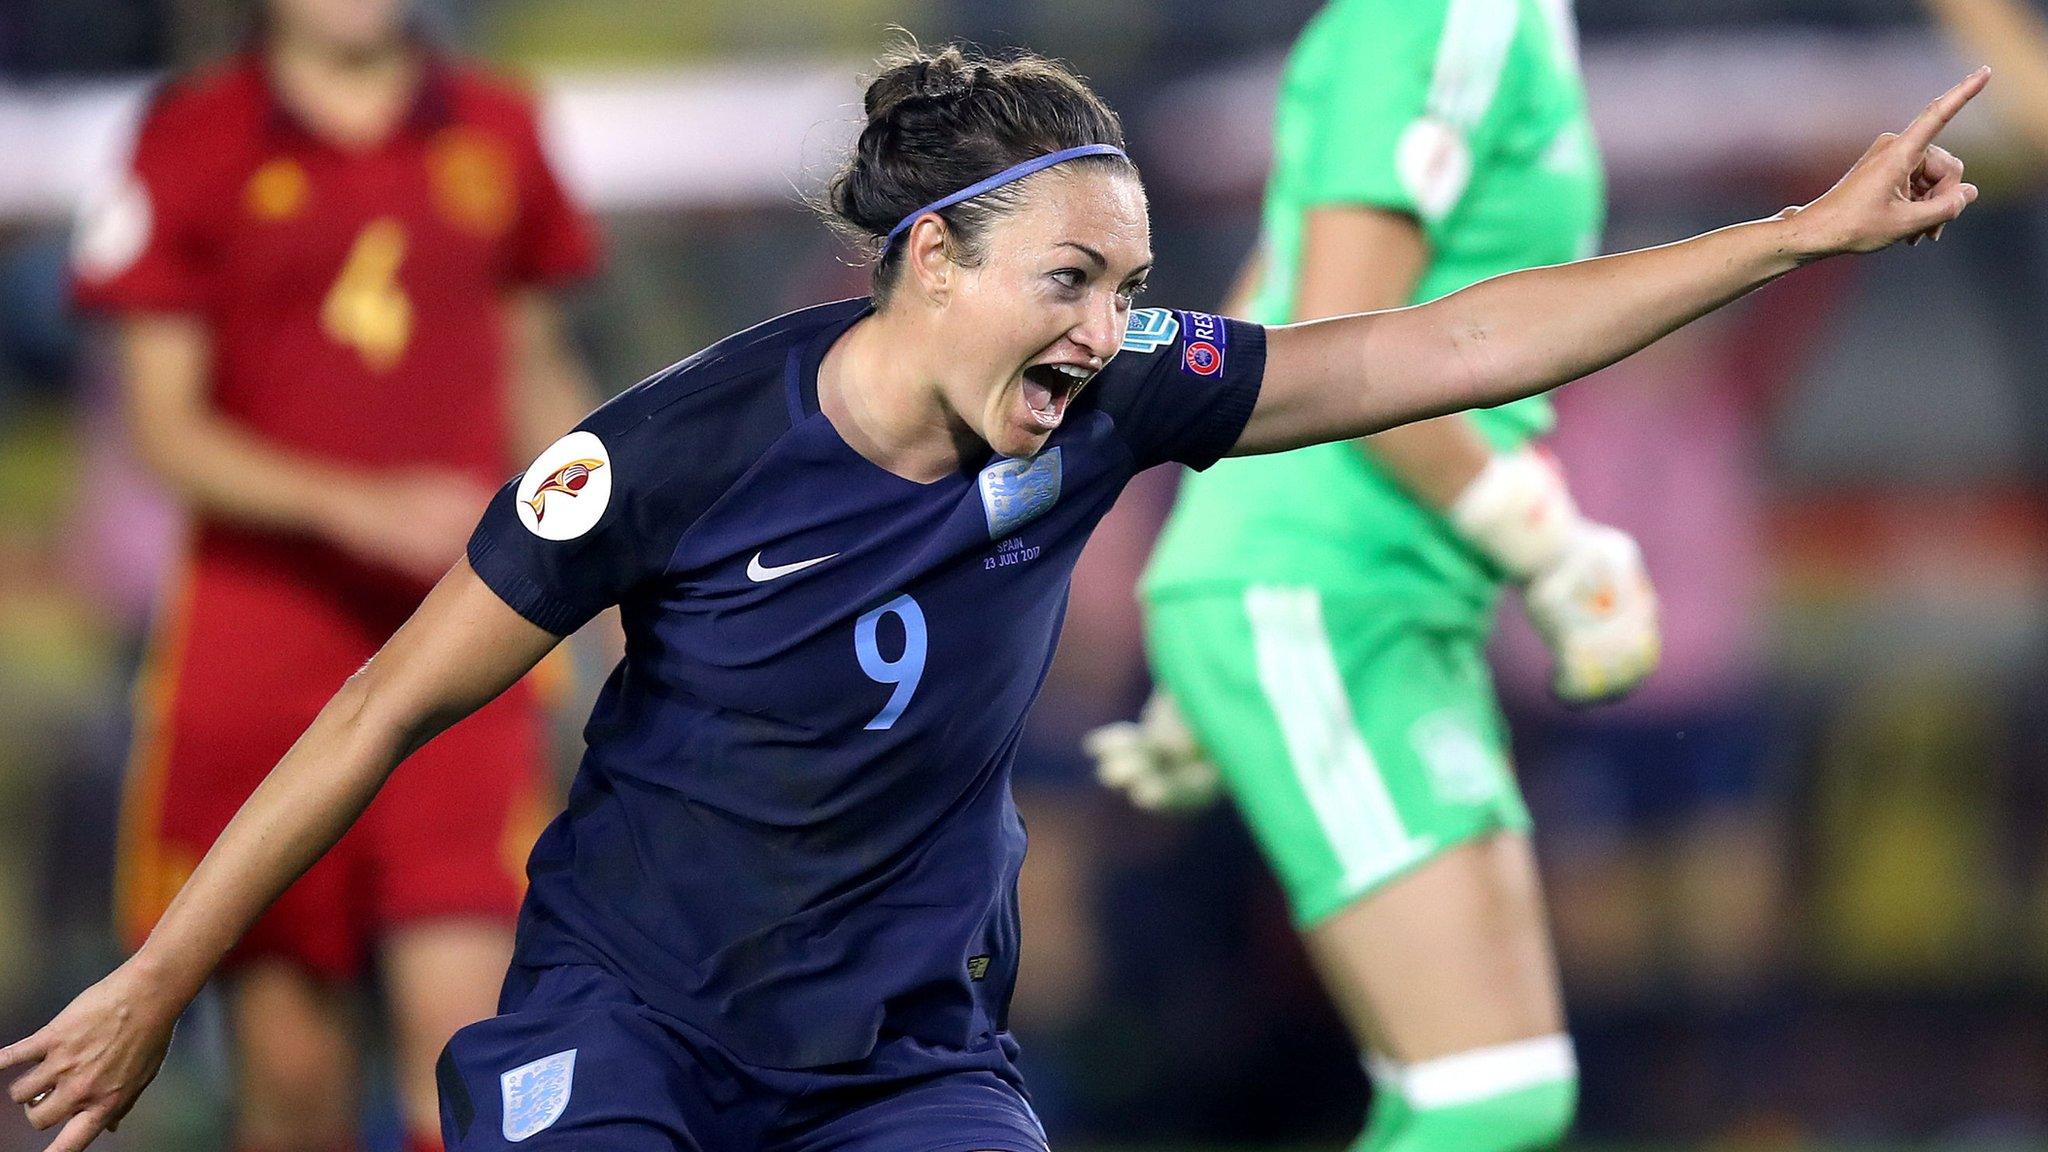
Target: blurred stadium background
[(1800, 885)]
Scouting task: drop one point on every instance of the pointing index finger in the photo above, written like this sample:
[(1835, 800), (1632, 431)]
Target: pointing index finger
[(1926, 126)]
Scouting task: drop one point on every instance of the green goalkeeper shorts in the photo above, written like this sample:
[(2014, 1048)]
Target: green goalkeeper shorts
[(1358, 743)]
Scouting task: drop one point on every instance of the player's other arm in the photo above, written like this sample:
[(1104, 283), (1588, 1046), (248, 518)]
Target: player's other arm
[(413, 522), (464, 646), (1526, 332)]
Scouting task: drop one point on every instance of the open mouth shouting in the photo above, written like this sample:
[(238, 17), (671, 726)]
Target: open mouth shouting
[(1049, 388)]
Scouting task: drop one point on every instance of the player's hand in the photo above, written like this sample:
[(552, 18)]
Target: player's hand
[(83, 1070), (1595, 609), (1154, 761), (1903, 188), (413, 522)]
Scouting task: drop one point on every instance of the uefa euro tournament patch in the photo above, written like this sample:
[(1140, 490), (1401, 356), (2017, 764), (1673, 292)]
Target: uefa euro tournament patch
[(1149, 330), (1202, 344), (1015, 492), (537, 1094), (566, 490)]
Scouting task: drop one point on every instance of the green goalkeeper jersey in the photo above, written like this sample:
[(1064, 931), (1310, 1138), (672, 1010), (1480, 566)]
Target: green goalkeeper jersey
[(1468, 115)]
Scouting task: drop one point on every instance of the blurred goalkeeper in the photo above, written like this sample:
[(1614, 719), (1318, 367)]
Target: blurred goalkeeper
[(1320, 616)]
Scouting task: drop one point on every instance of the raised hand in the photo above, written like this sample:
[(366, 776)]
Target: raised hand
[(1904, 187)]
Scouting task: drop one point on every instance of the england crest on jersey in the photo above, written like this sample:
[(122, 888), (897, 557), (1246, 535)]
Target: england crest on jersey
[(1150, 329), (536, 1094), (1015, 492)]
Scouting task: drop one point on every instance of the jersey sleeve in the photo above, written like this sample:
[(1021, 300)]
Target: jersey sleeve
[(554, 241), (140, 242), (1183, 385), (586, 525), (1397, 116)]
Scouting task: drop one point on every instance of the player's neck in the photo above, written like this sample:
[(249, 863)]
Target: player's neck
[(887, 405), (352, 97)]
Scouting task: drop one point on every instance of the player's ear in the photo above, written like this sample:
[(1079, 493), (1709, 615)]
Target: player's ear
[(928, 257)]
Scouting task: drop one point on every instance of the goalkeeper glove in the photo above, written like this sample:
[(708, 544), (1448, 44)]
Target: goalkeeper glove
[(1583, 584), (1154, 761)]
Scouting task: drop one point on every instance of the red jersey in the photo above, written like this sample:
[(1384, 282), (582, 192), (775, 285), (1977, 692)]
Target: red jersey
[(355, 296), (355, 300)]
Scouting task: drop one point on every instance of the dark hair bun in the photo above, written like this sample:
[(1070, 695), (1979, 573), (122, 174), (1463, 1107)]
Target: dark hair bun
[(919, 77), (940, 121)]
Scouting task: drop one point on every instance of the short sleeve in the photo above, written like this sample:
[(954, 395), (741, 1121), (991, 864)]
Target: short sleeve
[(554, 240), (1393, 101), (140, 242), (584, 526), (1183, 385)]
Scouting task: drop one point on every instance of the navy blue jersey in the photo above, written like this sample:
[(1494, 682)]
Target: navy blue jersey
[(792, 827)]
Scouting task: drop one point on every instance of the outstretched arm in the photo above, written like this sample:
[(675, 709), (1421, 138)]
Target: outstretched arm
[(1527, 332), (463, 647)]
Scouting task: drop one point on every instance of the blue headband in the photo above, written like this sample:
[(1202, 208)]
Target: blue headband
[(1008, 175)]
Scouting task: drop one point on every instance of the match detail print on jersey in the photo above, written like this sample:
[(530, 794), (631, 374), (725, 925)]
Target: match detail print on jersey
[(565, 492)]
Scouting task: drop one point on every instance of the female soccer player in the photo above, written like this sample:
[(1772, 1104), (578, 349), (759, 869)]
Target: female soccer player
[(779, 911), (1320, 617), (329, 270)]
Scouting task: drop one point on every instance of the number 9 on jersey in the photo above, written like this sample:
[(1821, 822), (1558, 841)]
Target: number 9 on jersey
[(904, 671)]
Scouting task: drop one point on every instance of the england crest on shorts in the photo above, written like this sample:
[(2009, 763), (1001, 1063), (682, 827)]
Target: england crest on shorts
[(536, 1093), (1015, 492)]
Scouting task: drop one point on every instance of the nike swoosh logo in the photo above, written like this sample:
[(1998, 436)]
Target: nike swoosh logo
[(760, 573)]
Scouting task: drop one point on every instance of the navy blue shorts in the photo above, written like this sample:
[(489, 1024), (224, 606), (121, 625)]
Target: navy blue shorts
[(576, 1061)]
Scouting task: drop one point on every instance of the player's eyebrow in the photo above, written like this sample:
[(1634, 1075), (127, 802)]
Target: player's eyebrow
[(1102, 262)]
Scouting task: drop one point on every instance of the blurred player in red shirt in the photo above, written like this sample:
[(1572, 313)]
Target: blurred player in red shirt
[(329, 266)]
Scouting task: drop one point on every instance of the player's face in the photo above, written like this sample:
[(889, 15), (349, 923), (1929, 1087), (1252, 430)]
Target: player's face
[(1046, 308), (342, 25)]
